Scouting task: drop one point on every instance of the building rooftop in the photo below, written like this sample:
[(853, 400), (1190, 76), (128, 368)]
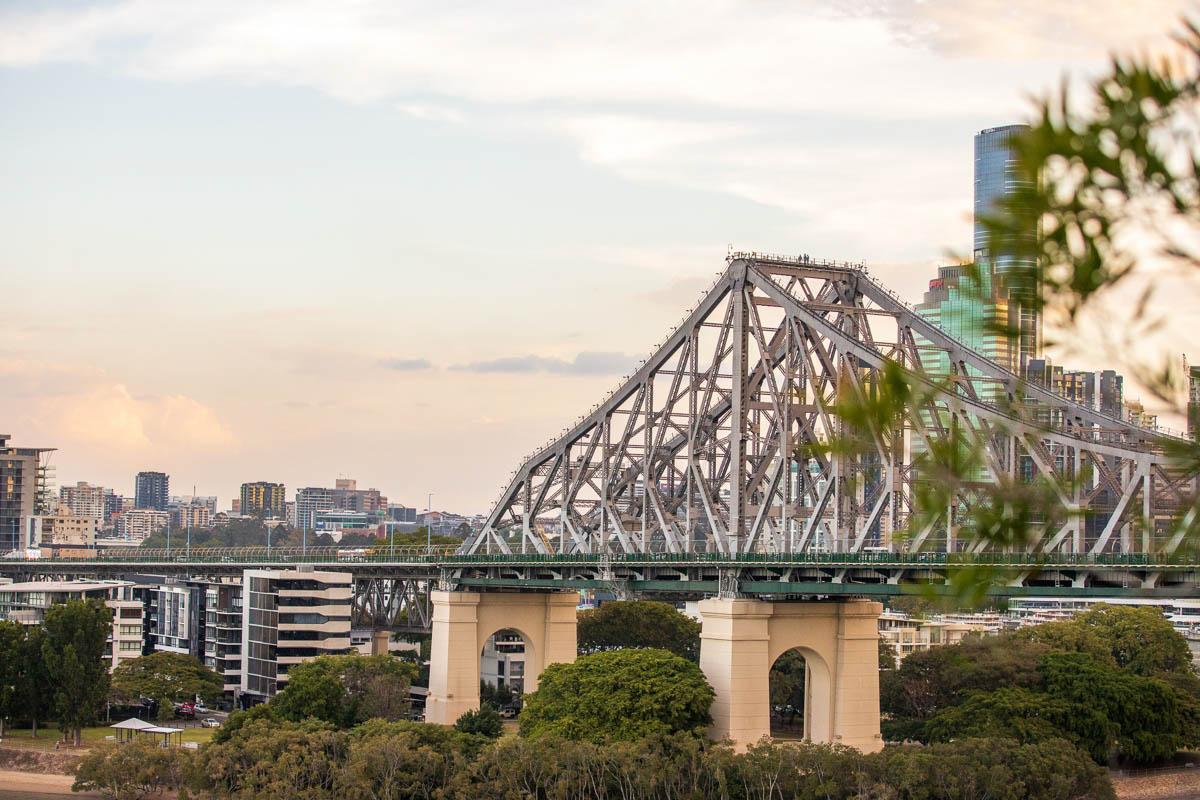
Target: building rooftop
[(61, 586)]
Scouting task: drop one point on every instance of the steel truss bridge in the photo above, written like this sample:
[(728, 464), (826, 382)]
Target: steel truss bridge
[(709, 471), (720, 441)]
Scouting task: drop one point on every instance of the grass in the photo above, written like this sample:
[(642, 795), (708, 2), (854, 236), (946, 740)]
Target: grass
[(49, 735)]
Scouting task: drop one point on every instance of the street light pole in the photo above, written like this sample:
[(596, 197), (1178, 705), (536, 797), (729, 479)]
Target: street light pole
[(429, 523)]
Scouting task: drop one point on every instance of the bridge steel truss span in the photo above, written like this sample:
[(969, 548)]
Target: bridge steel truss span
[(719, 442)]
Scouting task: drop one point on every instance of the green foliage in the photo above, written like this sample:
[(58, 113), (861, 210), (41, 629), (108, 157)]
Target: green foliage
[(497, 697), (1003, 769), (74, 649), (12, 637), (266, 759), (393, 760), (1010, 713), (35, 695), (786, 683), (1139, 638), (1115, 712), (485, 722), (240, 533), (618, 695), (1030, 686), (929, 682), (638, 623), (165, 677), (346, 690), (131, 771), (237, 720)]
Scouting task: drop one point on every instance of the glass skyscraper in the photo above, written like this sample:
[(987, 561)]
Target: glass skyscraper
[(978, 315), (997, 177)]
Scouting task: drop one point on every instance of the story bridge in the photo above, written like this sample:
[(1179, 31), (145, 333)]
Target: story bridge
[(713, 471)]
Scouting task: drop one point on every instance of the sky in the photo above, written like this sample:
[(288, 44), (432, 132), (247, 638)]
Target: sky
[(406, 243)]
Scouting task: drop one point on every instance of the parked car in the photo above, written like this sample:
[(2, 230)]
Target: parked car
[(186, 710), (209, 722)]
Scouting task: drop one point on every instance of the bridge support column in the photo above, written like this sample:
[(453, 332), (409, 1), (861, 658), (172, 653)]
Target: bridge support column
[(462, 624), (740, 641)]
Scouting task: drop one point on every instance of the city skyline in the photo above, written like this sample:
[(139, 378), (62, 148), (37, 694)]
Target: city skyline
[(387, 269)]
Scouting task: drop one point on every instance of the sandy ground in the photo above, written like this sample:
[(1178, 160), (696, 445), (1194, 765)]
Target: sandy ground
[(1181, 784), (17, 784)]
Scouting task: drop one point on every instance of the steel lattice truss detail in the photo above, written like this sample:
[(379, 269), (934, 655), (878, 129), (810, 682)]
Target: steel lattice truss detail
[(718, 443)]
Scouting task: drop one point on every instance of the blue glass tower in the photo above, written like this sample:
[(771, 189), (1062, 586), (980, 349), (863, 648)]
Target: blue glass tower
[(997, 177)]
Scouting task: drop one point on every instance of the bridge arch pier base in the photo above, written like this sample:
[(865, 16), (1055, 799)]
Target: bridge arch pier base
[(740, 641), (462, 624)]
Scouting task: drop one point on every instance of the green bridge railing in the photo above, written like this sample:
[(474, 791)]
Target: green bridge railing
[(446, 557)]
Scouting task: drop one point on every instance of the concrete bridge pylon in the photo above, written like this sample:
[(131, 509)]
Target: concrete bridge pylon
[(464, 621), (741, 639)]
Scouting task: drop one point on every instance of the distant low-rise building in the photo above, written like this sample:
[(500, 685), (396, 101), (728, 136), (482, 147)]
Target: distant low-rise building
[(63, 529), (192, 515), (309, 502)]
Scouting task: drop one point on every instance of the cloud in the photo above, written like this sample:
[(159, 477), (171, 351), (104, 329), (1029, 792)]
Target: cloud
[(586, 363), (109, 415), (1021, 29), (774, 57), (807, 107), (404, 364)]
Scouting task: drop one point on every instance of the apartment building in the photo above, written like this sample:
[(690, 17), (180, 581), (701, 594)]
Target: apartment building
[(27, 603), (83, 500), (64, 529), (26, 476), (289, 617), (262, 499), (139, 523), (223, 632)]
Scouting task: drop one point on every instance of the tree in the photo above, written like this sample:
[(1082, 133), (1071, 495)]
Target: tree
[(618, 695), (166, 677), (267, 759), (1010, 713), (1115, 712), (1139, 639), (346, 690), (887, 654), (638, 623), (74, 650), (787, 684), (12, 640), (930, 681), (979, 768), (394, 767), (35, 694), (486, 722), (141, 768)]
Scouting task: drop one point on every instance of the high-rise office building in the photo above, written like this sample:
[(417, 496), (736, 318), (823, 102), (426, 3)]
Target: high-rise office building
[(152, 490), (976, 305), (26, 477), (998, 178), (262, 499)]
